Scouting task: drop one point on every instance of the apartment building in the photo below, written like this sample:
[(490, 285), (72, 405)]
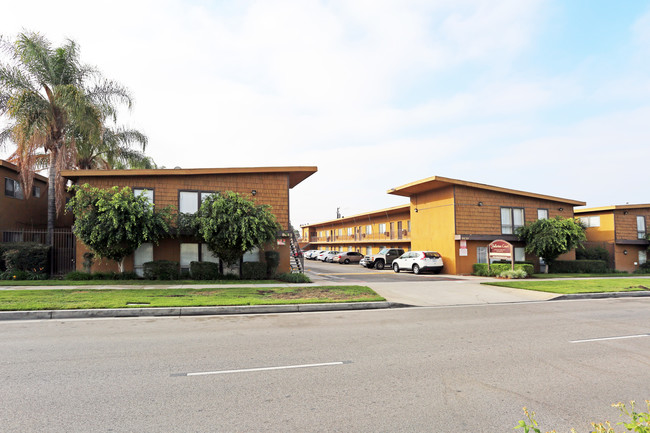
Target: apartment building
[(366, 233), (454, 217), (622, 230), (184, 189)]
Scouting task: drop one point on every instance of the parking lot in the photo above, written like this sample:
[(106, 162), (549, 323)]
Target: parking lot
[(355, 273)]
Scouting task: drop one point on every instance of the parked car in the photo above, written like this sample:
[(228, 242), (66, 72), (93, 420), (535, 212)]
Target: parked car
[(366, 262), (418, 261), (329, 256), (313, 254), (384, 257), (308, 254), (348, 257)]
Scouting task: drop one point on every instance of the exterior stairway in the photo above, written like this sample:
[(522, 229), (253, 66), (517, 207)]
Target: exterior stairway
[(297, 260)]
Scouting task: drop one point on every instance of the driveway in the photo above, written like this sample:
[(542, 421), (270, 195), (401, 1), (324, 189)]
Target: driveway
[(422, 290)]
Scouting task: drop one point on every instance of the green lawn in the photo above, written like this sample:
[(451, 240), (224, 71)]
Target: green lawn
[(615, 275), (66, 299), (579, 286), (127, 282)]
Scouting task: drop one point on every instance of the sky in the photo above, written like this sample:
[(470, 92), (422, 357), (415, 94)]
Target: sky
[(545, 96)]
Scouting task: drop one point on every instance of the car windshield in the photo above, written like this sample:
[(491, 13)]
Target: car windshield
[(431, 255), (384, 251)]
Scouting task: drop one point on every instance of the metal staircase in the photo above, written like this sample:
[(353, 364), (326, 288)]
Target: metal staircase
[(297, 260)]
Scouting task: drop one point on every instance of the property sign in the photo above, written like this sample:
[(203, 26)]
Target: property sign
[(501, 250)]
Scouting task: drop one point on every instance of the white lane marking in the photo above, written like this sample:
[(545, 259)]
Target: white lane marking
[(246, 370), (611, 338)]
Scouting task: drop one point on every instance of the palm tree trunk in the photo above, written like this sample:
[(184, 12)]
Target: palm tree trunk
[(51, 197)]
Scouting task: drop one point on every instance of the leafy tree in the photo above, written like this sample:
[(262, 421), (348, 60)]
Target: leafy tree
[(549, 238), (112, 149), (49, 98), (114, 223), (230, 225)]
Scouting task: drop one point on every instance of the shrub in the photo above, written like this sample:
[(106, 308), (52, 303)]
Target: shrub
[(272, 262), (517, 273), (78, 276), (253, 270), (17, 274), (204, 271), (578, 267), (644, 268), (481, 269), (592, 253), (161, 270), (293, 278), (25, 256)]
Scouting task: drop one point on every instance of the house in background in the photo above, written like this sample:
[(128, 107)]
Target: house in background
[(622, 230), (184, 189), (366, 233)]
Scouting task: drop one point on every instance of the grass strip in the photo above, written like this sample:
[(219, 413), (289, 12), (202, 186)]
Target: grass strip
[(29, 283), (579, 286), (67, 299), (614, 275)]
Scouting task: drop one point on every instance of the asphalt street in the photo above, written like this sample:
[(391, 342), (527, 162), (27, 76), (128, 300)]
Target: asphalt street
[(442, 369)]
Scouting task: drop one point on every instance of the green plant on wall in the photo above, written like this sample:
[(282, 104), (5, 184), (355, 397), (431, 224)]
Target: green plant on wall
[(113, 222), (552, 237)]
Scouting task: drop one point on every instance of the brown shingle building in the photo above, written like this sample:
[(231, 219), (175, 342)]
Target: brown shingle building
[(183, 189)]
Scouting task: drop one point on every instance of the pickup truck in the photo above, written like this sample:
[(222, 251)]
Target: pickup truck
[(383, 258)]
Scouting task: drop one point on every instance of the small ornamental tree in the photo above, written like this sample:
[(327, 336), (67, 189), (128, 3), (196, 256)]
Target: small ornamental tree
[(549, 238), (113, 223), (230, 225)]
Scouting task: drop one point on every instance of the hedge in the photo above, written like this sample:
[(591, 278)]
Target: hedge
[(578, 267), (24, 256), (481, 269), (253, 270), (272, 262), (204, 271), (161, 270)]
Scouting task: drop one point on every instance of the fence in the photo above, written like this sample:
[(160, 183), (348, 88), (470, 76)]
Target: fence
[(62, 255)]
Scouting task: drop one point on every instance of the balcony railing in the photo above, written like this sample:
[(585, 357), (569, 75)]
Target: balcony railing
[(396, 235)]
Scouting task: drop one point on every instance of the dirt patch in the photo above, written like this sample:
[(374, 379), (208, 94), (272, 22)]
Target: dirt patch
[(209, 293), (639, 287), (314, 294)]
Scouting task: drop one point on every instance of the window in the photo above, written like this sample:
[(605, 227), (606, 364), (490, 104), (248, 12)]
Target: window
[(148, 193), (13, 189), (382, 228), (36, 191), (252, 255), (408, 225), (350, 231), (520, 254), (643, 257), (190, 201), (640, 227), (481, 255), (542, 214), (368, 229), (189, 253), (511, 219), (591, 221), (142, 255), (207, 256), (340, 232), (368, 251)]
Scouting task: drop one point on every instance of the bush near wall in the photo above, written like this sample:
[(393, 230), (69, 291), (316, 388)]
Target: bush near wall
[(592, 253), (204, 271), (253, 270), (578, 267), (161, 270), (481, 269), (272, 262), (24, 256)]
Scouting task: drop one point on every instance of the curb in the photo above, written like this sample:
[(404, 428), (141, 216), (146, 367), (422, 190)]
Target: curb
[(192, 311), (639, 294)]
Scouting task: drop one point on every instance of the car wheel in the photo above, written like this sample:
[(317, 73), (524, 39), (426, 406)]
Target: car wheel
[(379, 265), (416, 269), (346, 261), (396, 268)]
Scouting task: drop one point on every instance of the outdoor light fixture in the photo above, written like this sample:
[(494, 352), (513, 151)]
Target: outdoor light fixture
[(560, 209), (480, 203), (625, 252), (416, 210), (625, 212), (254, 192)]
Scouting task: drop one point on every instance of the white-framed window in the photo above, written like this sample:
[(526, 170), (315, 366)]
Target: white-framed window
[(13, 189), (142, 255), (369, 229), (591, 221), (189, 253), (368, 251), (190, 201), (207, 256), (148, 193), (511, 219), (520, 254), (340, 233), (643, 256), (481, 255), (252, 255), (408, 225), (640, 227), (382, 228), (350, 231), (542, 214)]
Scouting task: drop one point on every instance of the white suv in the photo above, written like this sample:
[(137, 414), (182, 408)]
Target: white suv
[(418, 261)]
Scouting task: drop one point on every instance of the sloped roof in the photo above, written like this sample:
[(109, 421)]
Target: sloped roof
[(611, 208), (386, 211), (14, 168)]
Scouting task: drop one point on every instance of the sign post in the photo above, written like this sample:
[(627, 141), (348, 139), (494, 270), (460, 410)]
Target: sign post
[(501, 250)]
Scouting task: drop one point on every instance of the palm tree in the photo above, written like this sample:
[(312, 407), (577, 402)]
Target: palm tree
[(113, 149), (49, 96)]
